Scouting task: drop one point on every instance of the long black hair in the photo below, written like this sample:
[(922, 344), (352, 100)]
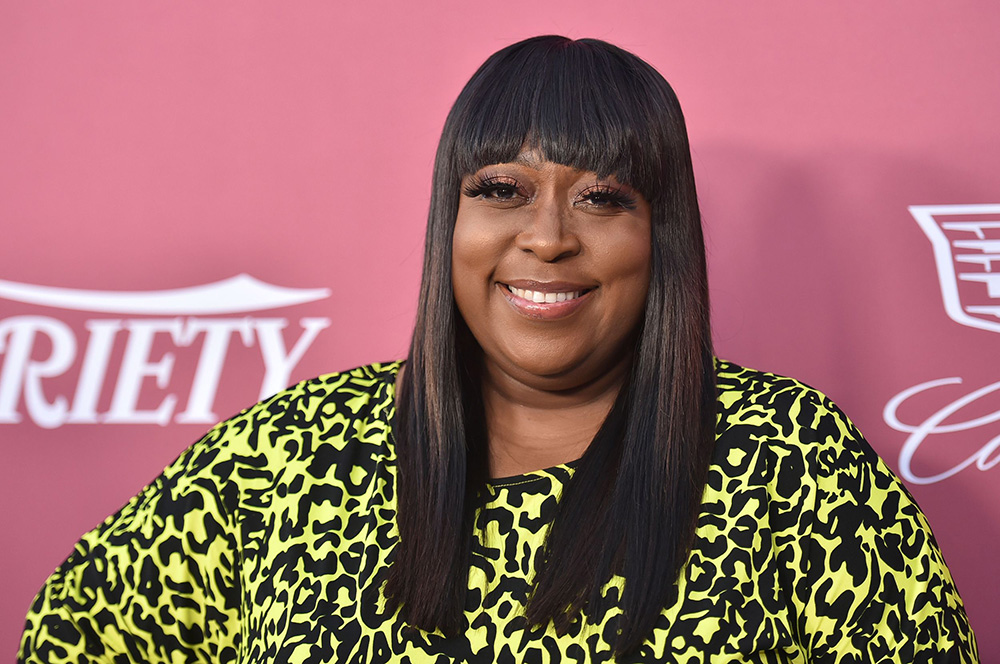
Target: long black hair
[(636, 491)]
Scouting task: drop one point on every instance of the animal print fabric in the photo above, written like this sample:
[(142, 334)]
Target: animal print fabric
[(267, 541)]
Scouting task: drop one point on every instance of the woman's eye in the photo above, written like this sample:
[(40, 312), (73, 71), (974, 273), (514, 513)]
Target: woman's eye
[(607, 198), (600, 199), (501, 191), (491, 189)]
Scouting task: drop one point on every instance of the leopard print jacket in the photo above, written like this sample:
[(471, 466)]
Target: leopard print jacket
[(266, 540)]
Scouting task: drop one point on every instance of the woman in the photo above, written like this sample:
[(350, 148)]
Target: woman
[(687, 510)]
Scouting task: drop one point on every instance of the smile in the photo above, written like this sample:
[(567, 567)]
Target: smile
[(555, 302), (540, 297)]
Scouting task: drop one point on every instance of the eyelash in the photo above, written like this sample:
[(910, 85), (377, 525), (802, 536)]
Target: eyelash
[(487, 185), (614, 196), (481, 185)]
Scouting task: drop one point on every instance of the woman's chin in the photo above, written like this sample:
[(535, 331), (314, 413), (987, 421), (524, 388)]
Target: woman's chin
[(552, 372)]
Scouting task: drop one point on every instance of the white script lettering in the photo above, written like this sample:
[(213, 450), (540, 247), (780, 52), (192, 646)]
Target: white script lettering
[(934, 425)]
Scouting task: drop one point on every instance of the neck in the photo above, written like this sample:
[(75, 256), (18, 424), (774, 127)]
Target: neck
[(531, 428)]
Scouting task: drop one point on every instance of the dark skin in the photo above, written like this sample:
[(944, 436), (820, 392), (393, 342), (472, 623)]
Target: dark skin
[(550, 270)]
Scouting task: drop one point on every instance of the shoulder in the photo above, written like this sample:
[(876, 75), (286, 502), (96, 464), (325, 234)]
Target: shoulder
[(794, 433), (320, 404), (777, 407), (743, 391), (304, 423), (855, 557)]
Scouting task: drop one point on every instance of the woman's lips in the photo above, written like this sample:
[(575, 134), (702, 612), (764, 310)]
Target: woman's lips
[(545, 301)]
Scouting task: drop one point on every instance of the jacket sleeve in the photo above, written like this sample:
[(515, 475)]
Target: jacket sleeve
[(156, 582), (875, 586)]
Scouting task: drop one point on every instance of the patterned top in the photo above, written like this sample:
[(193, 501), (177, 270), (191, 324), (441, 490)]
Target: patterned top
[(265, 542)]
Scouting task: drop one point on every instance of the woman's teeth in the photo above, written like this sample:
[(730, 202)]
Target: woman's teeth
[(540, 297)]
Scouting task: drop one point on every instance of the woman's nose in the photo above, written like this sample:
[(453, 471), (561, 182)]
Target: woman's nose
[(548, 233)]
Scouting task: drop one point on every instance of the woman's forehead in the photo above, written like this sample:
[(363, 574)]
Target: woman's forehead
[(530, 157)]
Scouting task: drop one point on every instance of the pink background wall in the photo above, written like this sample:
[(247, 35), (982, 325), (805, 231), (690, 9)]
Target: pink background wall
[(157, 146)]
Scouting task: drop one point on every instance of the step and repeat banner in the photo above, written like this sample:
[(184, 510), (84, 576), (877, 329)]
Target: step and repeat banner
[(204, 202)]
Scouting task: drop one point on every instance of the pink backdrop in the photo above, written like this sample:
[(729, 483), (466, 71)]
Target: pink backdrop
[(163, 147)]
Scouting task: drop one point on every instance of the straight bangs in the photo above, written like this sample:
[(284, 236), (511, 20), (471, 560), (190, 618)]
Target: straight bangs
[(591, 108)]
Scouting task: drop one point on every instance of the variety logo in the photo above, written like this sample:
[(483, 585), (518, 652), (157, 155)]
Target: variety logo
[(201, 316), (966, 243)]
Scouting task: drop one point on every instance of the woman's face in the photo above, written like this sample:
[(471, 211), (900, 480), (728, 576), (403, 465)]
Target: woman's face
[(550, 268)]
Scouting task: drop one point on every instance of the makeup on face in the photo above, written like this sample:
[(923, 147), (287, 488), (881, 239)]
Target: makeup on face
[(550, 267)]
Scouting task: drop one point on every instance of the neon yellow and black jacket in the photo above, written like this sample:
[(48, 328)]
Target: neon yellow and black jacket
[(265, 542)]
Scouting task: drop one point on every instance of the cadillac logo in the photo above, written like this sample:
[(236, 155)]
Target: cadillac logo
[(966, 241)]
